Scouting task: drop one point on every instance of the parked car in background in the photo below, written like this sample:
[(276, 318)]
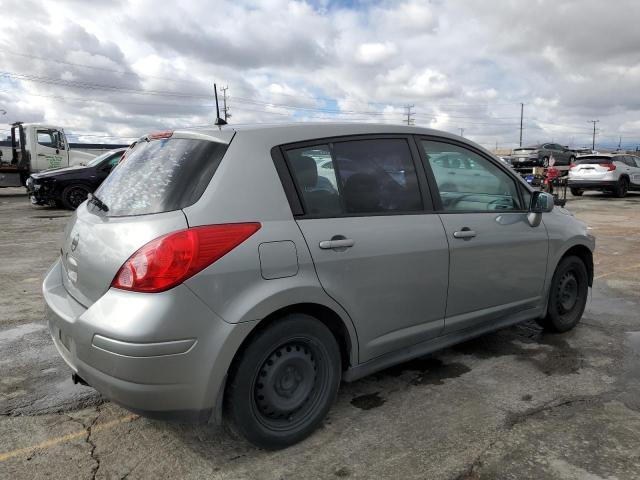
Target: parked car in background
[(614, 173), (69, 187), (219, 274), (539, 155)]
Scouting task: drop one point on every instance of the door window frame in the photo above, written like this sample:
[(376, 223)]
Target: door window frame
[(433, 185), (294, 193)]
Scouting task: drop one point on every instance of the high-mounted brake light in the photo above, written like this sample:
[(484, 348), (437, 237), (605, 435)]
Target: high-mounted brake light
[(609, 166), (171, 259), (159, 135)]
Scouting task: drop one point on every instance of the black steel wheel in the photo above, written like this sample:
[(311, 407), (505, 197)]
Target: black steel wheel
[(567, 296), (284, 382), (622, 188), (74, 195)]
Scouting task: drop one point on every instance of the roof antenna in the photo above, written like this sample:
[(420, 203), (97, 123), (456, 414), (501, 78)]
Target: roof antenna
[(219, 121)]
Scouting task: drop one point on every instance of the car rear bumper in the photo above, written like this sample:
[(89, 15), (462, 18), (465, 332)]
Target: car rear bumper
[(160, 355), (528, 162), (591, 184)]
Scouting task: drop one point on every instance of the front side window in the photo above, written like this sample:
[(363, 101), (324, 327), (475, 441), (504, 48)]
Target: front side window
[(469, 182), (356, 177), (46, 138)]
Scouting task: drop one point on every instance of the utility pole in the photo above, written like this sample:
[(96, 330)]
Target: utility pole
[(620, 143), (593, 143), (462, 132), (410, 114), (521, 118), (225, 109)]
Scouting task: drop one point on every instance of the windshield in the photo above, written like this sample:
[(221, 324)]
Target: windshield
[(160, 176), (99, 158)]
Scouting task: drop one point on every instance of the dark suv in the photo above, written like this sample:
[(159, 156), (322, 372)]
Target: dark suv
[(539, 155)]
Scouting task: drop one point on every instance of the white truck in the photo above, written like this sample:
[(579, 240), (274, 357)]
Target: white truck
[(36, 147)]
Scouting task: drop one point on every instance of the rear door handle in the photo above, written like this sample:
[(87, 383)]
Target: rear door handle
[(41, 155), (342, 243), (464, 233)]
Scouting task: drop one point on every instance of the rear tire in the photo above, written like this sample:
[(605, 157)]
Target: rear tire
[(567, 296), (621, 188), (74, 195), (577, 192), (284, 382)]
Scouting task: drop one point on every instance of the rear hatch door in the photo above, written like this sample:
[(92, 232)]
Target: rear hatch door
[(591, 168), (140, 200)]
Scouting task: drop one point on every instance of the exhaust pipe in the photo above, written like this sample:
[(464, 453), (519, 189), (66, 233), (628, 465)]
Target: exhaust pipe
[(78, 379)]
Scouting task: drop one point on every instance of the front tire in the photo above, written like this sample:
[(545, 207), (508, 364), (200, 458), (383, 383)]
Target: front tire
[(284, 382), (577, 192), (545, 162), (73, 196), (567, 296)]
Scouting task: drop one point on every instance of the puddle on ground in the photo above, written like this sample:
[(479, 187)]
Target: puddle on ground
[(431, 371), (368, 401), (632, 362), (634, 341), (551, 354), (20, 331)]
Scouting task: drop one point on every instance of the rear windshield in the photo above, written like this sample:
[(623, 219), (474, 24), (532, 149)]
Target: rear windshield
[(160, 176), (593, 160)]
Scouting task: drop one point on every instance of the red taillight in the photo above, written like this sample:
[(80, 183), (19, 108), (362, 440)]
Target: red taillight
[(609, 166), (158, 135), (169, 260), (572, 166)]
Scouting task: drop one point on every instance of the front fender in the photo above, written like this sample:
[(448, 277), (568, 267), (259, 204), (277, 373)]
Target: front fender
[(565, 232)]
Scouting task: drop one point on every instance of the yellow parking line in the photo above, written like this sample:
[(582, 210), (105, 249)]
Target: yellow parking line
[(65, 438), (637, 265)]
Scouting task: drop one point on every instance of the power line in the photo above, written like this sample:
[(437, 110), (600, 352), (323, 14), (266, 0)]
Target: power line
[(102, 69)]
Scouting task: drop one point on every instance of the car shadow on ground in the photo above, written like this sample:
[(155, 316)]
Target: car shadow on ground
[(550, 354)]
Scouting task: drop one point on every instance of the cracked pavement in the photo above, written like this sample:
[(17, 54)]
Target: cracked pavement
[(514, 404)]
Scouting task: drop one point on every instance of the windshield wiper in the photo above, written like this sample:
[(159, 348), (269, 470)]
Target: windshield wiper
[(98, 203)]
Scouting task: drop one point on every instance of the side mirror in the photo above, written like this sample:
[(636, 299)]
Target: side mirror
[(541, 202)]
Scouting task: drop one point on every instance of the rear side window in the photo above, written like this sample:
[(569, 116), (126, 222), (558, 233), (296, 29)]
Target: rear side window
[(356, 177), (160, 176)]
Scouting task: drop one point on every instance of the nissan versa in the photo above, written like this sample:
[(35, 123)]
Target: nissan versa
[(242, 273)]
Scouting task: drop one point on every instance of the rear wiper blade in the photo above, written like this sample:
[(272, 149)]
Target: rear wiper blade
[(98, 203)]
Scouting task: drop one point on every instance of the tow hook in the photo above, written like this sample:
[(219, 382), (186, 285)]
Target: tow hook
[(78, 379)]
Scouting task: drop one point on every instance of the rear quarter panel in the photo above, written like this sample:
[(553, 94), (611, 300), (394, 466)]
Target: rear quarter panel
[(246, 188)]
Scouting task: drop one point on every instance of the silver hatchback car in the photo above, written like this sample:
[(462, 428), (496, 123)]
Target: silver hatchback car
[(243, 273)]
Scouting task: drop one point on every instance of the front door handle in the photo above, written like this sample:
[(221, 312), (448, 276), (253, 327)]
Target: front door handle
[(464, 233), (41, 155), (340, 243)]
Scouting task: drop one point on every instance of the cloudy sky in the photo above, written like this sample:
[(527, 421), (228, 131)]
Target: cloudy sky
[(111, 70)]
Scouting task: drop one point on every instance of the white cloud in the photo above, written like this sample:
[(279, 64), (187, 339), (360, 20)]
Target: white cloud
[(372, 53)]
